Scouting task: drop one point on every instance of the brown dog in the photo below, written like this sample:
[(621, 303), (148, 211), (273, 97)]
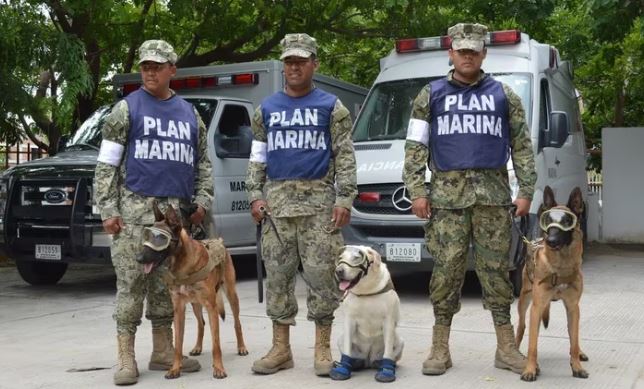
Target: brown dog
[(197, 271), (552, 272)]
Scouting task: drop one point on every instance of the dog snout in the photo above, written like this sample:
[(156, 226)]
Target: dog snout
[(339, 273)]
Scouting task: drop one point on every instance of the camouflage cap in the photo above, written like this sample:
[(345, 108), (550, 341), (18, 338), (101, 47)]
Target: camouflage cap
[(157, 51), (468, 36), (298, 45)]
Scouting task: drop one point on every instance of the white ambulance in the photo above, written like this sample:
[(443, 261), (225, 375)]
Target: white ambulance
[(381, 215)]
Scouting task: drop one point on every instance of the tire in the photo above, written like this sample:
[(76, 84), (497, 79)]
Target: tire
[(41, 273)]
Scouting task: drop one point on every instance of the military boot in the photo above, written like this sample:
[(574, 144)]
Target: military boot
[(439, 359), (508, 355), (126, 370), (163, 352), (279, 357), (323, 361)]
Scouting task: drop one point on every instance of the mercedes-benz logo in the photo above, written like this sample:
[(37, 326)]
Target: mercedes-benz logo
[(401, 200)]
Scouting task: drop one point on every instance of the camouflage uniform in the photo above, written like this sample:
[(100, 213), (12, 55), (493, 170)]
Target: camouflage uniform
[(114, 200), (470, 203), (302, 212)]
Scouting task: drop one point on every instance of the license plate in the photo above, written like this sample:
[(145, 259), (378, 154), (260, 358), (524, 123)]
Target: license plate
[(403, 252), (48, 251)]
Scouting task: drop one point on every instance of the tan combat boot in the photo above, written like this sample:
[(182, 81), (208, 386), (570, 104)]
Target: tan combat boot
[(439, 359), (126, 370), (323, 361), (508, 355), (163, 352), (279, 357)]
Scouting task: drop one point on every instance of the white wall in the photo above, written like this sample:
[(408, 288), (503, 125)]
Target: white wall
[(623, 185)]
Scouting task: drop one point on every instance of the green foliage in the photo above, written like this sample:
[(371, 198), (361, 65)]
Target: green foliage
[(84, 42)]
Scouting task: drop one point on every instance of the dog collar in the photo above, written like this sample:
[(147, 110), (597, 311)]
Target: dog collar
[(387, 288), (190, 279)]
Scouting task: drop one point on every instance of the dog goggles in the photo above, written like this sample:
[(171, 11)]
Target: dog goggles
[(559, 218), (156, 238)]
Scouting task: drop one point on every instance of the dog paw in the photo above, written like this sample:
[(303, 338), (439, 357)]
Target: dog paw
[(583, 357), (242, 351), (387, 371), (581, 373), (173, 373), (195, 351), (219, 374), (529, 376)]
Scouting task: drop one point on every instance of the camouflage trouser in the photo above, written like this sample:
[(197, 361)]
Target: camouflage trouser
[(448, 235), (133, 286), (307, 239)]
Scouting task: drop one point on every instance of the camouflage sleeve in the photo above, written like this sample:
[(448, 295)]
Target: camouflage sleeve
[(522, 156), (108, 177), (344, 156), (256, 173), (417, 153), (204, 190)]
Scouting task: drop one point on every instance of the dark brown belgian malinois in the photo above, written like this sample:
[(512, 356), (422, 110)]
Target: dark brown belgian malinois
[(197, 271), (552, 272)]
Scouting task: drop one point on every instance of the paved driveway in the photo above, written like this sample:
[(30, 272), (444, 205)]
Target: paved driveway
[(49, 336)]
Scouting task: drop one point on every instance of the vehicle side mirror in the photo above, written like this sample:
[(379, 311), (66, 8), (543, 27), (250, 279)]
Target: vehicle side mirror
[(558, 132), (237, 146)]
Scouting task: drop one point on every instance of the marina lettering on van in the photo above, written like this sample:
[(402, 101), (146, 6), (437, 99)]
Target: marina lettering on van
[(475, 122), (158, 148)]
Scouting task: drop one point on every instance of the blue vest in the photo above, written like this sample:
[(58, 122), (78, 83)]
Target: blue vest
[(299, 135), (162, 146), (469, 126)]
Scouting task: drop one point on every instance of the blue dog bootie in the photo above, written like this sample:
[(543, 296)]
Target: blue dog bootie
[(386, 371), (342, 370)]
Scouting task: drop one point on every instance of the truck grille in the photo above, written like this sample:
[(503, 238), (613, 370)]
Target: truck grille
[(390, 202)]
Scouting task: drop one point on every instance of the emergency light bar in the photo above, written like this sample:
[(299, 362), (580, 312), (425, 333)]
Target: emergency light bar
[(495, 38), (201, 82)]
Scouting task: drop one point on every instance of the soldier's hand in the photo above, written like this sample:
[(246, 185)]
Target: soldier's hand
[(198, 216), (256, 208), (523, 206), (341, 217), (113, 225), (421, 207)]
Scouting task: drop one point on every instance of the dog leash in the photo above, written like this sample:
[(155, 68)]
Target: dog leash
[(512, 211)]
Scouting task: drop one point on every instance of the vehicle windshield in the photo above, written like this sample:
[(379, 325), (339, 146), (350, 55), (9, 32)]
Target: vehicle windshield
[(88, 136), (386, 112)]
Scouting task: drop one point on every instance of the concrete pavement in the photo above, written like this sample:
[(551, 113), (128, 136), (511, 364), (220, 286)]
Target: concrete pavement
[(55, 337)]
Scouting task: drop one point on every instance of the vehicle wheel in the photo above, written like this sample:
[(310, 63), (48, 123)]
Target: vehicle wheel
[(41, 273)]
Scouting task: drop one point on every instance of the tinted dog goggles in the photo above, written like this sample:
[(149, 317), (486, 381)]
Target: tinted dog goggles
[(559, 218), (156, 238)]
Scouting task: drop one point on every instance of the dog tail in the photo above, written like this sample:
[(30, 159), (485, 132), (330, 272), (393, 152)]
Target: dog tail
[(545, 316), (220, 304)]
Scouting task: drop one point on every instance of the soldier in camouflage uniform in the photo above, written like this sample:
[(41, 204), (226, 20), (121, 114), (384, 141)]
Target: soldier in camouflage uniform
[(470, 124), (154, 149), (302, 171)]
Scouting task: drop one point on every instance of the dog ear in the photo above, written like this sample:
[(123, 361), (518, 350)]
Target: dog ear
[(576, 201), (548, 198), (373, 256), (158, 215), (172, 218)]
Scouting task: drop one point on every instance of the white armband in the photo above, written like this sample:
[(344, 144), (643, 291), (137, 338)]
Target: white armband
[(258, 152), (418, 130), (111, 152)]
